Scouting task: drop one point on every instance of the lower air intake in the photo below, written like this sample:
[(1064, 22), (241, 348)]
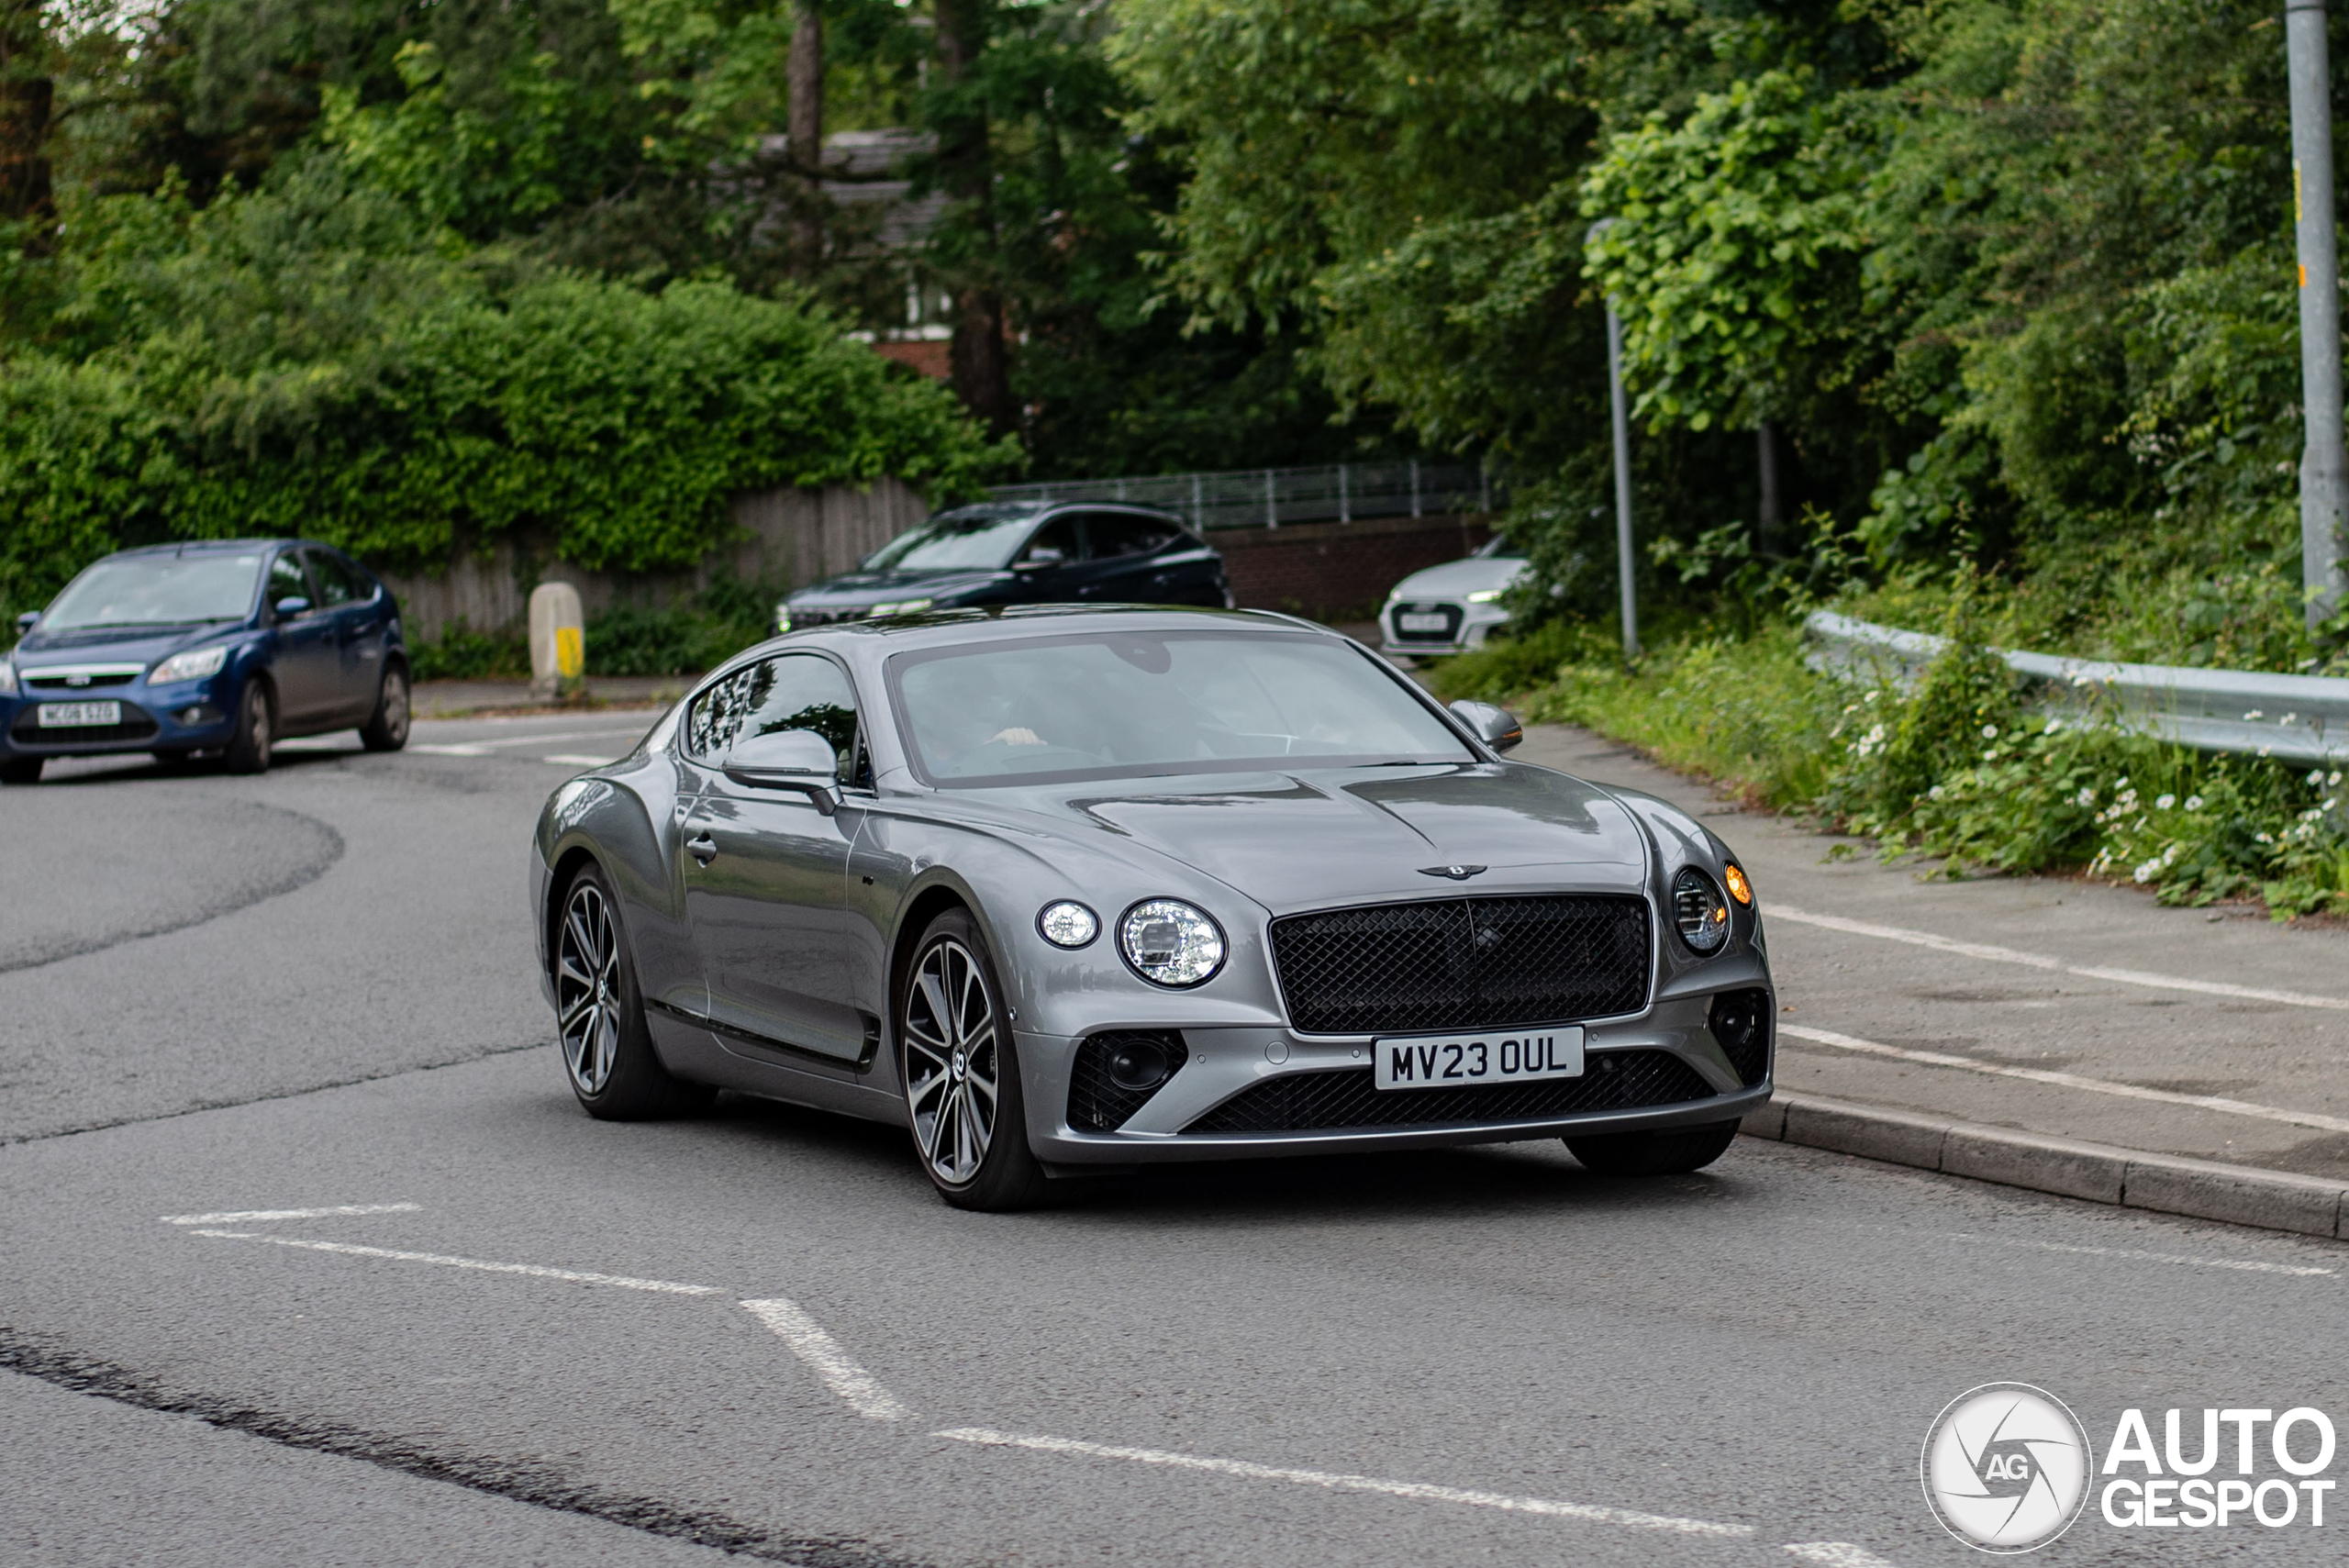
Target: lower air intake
[(1303, 1102)]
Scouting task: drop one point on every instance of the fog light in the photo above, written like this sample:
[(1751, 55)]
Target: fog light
[(1068, 924), (1739, 1021), (197, 713), (1139, 1064)]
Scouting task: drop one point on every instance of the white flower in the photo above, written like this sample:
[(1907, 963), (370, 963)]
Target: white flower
[(2170, 855), (2255, 712), (2316, 775), (2193, 803), (2086, 797), (1871, 696), (1989, 732), (2145, 872), (2290, 718), (2164, 802), (1991, 755), (2120, 784), (1935, 793), (2332, 778), (2264, 750), (2052, 726)]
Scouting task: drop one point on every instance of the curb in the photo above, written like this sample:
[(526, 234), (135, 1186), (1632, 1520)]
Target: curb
[(2098, 1172)]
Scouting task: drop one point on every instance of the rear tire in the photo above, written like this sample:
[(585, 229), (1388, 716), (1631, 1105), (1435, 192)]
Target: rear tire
[(961, 1070), (599, 1015), (1671, 1153), (21, 770), (386, 727), (248, 748)]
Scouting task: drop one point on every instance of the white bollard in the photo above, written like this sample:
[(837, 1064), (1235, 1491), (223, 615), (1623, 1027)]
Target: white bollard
[(558, 641)]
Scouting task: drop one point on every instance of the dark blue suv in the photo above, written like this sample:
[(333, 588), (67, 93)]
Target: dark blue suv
[(221, 647)]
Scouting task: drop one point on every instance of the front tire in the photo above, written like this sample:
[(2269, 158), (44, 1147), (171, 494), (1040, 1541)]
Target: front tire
[(1672, 1153), (599, 1013), (960, 1070), (386, 727), (248, 748)]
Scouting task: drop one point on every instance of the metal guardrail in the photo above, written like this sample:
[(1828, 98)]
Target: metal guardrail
[(1267, 497), (2300, 719)]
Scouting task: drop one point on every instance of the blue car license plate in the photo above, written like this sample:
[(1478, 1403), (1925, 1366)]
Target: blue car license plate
[(1502, 1056), (79, 714)]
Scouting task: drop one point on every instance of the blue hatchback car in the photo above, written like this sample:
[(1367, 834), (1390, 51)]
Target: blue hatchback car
[(214, 649)]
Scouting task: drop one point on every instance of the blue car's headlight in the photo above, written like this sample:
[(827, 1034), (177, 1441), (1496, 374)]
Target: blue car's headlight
[(192, 665)]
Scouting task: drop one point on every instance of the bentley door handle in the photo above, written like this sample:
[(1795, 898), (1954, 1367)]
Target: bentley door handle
[(704, 849)]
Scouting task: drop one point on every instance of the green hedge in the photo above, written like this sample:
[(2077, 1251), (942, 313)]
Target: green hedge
[(302, 361)]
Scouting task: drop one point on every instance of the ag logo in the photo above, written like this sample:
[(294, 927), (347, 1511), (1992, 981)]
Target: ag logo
[(2006, 1467)]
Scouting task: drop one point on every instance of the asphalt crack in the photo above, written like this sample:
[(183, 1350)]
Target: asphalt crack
[(534, 1483)]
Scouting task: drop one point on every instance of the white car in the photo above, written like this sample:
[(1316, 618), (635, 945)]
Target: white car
[(1452, 607)]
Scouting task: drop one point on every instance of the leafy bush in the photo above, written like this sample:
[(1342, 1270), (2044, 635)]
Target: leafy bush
[(685, 637), (461, 653), (303, 360)]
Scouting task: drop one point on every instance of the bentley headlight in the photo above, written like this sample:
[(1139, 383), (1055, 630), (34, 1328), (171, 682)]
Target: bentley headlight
[(1701, 911), (192, 665), (1171, 943), (1068, 924)]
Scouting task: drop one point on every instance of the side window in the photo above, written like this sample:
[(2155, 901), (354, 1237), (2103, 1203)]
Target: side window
[(791, 691), (334, 586), (1059, 534), (286, 581), (1111, 534)]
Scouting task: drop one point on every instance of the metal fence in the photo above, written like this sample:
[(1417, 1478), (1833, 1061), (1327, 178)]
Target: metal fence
[(2300, 719), (1267, 497)]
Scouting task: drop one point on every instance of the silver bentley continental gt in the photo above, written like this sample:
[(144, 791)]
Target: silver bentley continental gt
[(1064, 890)]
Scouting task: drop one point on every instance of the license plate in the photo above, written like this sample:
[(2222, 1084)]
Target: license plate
[(1422, 622), (79, 714), (1513, 1056)]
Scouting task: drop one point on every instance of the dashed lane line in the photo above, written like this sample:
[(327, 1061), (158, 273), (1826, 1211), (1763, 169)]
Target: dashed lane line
[(2068, 1080), (575, 760), (536, 1271), (1334, 1481), (865, 1394), (262, 1215), (1995, 954), (822, 1353)]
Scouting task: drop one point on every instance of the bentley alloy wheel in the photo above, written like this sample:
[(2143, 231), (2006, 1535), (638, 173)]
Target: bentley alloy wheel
[(962, 1073), (587, 965), (599, 1013)]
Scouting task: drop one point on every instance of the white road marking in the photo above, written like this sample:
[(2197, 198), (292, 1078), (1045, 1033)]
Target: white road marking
[(575, 760), (1416, 1490), (823, 1353), (2069, 1079), (260, 1215), (2043, 960), (449, 751), (535, 1271), (2244, 1264), (1836, 1555)]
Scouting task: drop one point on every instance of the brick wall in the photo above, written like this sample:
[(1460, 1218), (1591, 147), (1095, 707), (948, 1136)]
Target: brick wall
[(1338, 571)]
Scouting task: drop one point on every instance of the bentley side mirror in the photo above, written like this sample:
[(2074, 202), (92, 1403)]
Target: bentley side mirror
[(1496, 727), (797, 759), (25, 621), (291, 605), (1043, 555)]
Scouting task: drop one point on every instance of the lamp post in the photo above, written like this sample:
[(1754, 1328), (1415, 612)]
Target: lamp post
[(1623, 464), (2322, 478)]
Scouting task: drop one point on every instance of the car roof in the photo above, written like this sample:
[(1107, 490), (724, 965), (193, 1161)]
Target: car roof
[(934, 628), (207, 546), (1007, 511)]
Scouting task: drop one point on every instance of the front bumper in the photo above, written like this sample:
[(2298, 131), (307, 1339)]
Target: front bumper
[(184, 716), (1225, 1062), (1466, 626)]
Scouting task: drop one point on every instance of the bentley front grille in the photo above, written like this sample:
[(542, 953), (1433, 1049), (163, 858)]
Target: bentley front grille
[(1464, 963), (1301, 1102)]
